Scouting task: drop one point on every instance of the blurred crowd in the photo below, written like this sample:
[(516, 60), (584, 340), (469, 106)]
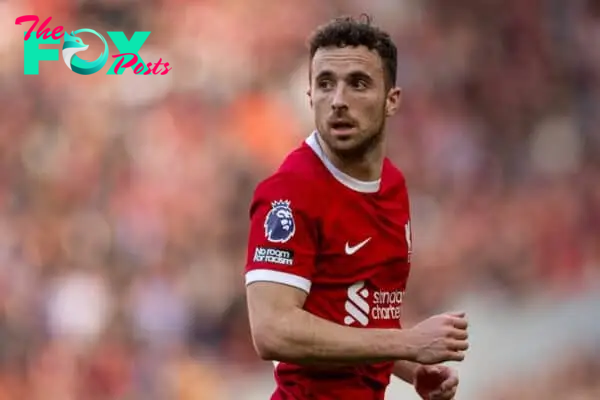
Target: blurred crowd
[(124, 199), (575, 378)]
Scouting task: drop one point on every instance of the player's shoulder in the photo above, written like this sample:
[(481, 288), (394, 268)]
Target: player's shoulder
[(394, 185), (394, 174), (298, 177), (299, 170)]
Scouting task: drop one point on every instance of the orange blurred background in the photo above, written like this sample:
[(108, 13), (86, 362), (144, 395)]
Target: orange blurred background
[(124, 199)]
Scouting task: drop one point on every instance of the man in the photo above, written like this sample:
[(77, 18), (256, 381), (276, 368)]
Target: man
[(330, 242)]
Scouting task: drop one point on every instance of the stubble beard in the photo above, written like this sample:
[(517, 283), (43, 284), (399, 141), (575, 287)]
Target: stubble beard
[(359, 150)]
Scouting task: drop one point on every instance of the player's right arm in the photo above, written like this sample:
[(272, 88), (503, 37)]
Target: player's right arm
[(277, 287), (283, 331)]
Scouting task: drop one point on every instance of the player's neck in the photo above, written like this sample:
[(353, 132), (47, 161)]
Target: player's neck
[(365, 167)]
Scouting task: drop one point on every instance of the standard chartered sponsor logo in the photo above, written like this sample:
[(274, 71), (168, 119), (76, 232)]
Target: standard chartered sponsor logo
[(387, 304), (356, 306), (363, 306)]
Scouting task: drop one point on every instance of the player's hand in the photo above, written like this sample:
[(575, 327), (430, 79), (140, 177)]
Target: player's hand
[(436, 382), (440, 338)]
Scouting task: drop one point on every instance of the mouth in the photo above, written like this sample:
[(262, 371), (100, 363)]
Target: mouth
[(342, 128)]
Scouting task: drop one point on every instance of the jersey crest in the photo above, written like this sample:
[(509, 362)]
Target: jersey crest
[(279, 223)]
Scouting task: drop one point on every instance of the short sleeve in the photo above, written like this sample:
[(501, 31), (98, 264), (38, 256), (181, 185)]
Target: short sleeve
[(282, 238)]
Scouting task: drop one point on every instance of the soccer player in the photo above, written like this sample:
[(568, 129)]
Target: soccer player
[(330, 242)]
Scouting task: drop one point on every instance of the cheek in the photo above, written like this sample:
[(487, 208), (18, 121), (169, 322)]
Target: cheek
[(320, 105), (374, 109)]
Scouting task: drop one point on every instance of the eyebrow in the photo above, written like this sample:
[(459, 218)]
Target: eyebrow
[(360, 74), (323, 74), (351, 74)]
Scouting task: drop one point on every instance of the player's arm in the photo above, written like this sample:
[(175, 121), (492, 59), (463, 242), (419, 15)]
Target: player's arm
[(405, 370), (283, 331)]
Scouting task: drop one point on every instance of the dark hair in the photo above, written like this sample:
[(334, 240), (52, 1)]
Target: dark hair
[(348, 31)]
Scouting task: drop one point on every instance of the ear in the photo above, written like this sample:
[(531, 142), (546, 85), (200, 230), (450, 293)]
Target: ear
[(309, 89), (309, 94), (392, 102)]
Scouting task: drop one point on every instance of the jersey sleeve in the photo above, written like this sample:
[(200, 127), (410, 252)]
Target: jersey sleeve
[(282, 238)]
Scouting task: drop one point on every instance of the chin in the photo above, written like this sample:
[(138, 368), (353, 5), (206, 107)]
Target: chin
[(346, 145), (351, 145)]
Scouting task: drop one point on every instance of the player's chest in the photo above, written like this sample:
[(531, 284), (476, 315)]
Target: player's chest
[(360, 237)]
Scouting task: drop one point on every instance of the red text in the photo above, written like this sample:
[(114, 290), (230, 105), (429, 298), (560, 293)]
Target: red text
[(140, 67), (56, 33)]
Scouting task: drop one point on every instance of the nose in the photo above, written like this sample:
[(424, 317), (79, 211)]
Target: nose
[(339, 101)]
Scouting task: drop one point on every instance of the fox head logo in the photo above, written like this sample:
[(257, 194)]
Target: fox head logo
[(73, 45)]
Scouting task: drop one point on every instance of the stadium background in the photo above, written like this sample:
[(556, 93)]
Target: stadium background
[(123, 200)]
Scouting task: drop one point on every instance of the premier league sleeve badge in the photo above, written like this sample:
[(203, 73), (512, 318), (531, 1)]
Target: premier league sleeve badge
[(279, 223)]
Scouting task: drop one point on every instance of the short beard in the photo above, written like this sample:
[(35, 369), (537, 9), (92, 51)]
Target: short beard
[(358, 152)]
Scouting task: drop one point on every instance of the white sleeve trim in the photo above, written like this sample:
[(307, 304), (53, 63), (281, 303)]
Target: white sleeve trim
[(269, 275)]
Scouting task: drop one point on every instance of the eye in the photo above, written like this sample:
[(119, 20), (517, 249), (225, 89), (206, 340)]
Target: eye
[(360, 84), (325, 84)]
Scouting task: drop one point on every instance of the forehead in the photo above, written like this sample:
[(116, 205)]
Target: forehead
[(345, 60)]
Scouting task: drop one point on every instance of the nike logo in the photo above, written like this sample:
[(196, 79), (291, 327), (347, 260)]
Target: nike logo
[(353, 249)]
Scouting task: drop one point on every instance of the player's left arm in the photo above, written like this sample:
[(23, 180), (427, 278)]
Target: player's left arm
[(437, 382), (405, 370)]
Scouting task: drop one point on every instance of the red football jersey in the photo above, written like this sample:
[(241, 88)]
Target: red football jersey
[(345, 242)]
